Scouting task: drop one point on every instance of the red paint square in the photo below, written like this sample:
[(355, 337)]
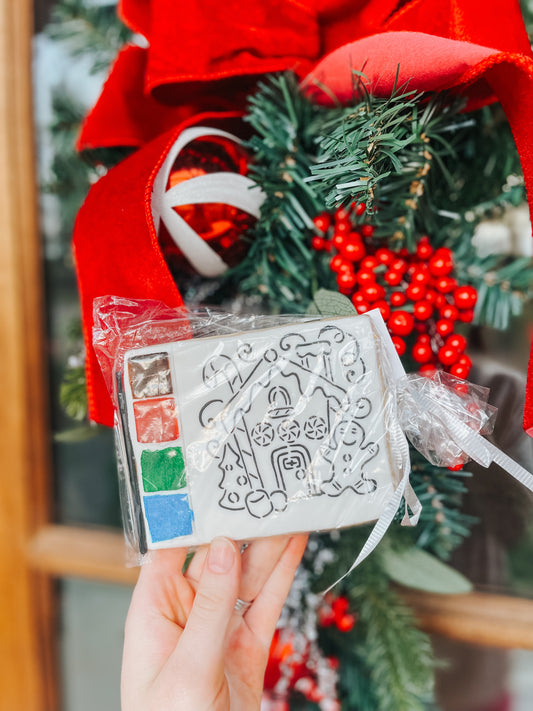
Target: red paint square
[(155, 420)]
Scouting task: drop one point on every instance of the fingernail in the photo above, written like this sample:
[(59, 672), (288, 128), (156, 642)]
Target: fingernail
[(221, 555)]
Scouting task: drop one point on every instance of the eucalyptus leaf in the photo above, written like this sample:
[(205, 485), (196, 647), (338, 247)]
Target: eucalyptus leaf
[(415, 568), (331, 303)]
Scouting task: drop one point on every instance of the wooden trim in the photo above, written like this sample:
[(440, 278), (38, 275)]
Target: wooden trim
[(97, 554), (27, 604), (477, 618)]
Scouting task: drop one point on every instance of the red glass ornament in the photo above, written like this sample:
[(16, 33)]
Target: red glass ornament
[(444, 327), (322, 222), (399, 344), (373, 292), (448, 355), (422, 353), (367, 230), (318, 243), (397, 298), (365, 276), (441, 263), (384, 309), (415, 292), (445, 284), (393, 277), (423, 249), (465, 297), (457, 341), (370, 262), (423, 310), (346, 281), (400, 323), (450, 312), (384, 256)]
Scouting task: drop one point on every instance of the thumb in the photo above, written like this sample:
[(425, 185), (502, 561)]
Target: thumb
[(213, 605)]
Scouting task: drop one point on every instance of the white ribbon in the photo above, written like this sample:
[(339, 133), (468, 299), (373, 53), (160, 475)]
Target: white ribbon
[(221, 187)]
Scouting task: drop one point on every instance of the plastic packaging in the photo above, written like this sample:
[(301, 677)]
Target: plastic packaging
[(249, 426)]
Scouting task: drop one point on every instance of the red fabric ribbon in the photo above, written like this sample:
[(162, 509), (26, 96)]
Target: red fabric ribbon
[(204, 56)]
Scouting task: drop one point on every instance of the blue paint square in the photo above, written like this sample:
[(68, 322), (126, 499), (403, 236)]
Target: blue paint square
[(168, 516)]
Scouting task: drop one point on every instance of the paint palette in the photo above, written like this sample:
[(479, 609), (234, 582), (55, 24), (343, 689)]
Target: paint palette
[(271, 431)]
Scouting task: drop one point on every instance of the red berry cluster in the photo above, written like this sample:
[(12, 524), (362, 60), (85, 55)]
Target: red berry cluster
[(416, 293), (334, 611)]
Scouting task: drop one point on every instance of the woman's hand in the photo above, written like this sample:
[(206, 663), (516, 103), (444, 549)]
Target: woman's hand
[(186, 649)]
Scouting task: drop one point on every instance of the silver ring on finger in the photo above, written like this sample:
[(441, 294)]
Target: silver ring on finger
[(242, 606)]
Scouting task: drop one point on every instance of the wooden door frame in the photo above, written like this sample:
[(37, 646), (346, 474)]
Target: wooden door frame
[(33, 551)]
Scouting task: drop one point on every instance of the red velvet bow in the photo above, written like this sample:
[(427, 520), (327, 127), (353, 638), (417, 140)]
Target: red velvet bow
[(204, 55)]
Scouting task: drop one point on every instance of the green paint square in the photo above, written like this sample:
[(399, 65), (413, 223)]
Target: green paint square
[(163, 470)]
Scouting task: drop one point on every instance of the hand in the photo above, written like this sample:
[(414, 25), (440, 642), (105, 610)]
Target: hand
[(185, 648)]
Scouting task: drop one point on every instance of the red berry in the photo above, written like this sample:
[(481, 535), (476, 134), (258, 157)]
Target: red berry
[(400, 323), (415, 292), (439, 301), (353, 250), (384, 255), (336, 263), (465, 297), (322, 222), (419, 277), (449, 312), (362, 307), (423, 249), (338, 240), (384, 309), (399, 344), (342, 227), (460, 371), (318, 243), (466, 316), (456, 467), (360, 208), (326, 617), (457, 341), (342, 214), (393, 277), (346, 623), (422, 353), (445, 284), (444, 327), (365, 276), (428, 370), (424, 338), (373, 292), (340, 605), (370, 263), (397, 298), (423, 310), (441, 263), (399, 265), (465, 360), (358, 298), (367, 230), (448, 355), (346, 281)]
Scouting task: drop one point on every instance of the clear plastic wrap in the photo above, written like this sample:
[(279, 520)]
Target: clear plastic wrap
[(249, 426)]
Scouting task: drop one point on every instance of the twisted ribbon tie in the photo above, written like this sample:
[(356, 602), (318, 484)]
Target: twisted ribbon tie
[(442, 417), (220, 187)]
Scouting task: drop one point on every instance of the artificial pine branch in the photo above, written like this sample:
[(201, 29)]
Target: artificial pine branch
[(94, 31)]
